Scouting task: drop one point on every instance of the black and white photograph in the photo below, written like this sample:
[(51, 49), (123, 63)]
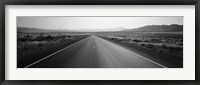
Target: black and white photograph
[(99, 41)]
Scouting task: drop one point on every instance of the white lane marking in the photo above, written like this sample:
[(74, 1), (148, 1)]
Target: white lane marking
[(149, 60), (138, 55), (52, 54)]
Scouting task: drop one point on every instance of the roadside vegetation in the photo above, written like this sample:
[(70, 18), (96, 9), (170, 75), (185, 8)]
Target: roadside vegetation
[(34, 46), (166, 43)]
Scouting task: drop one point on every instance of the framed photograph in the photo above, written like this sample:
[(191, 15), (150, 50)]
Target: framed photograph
[(141, 42)]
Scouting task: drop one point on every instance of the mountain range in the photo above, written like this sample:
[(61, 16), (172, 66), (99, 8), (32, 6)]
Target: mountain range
[(147, 28), (102, 30), (158, 28), (28, 29)]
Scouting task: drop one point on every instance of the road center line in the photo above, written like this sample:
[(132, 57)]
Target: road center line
[(53, 54)]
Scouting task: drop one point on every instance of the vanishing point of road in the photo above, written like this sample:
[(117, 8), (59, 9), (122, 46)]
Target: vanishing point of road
[(95, 52)]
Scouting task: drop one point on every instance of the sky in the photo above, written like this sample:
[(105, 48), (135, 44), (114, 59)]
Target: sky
[(94, 23)]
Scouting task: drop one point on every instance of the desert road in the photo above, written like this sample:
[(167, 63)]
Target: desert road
[(95, 52)]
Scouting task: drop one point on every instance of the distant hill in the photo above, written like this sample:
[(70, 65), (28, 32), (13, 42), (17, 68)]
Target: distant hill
[(102, 30), (27, 29), (159, 28), (39, 30)]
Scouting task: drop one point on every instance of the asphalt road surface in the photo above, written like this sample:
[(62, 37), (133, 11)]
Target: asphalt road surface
[(94, 52)]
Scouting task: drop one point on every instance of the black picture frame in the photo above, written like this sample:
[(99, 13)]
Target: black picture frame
[(99, 2)]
